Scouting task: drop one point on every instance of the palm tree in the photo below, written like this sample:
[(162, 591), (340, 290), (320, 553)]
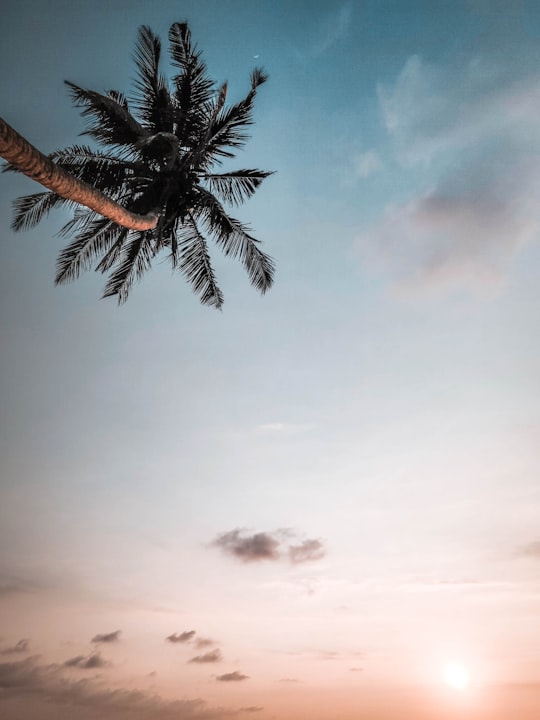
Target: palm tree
[(159, 159), (25, 158)]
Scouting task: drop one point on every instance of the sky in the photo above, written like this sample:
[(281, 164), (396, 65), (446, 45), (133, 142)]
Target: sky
[(321, 503)]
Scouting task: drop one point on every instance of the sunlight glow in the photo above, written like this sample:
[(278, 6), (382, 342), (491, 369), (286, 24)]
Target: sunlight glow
[(456, 676)]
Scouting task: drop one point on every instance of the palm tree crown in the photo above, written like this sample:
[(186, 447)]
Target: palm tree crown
[(158, 157)]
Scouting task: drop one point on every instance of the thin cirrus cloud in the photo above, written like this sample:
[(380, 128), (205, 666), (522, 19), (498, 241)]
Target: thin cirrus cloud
[(326, 34), (333, 29), (264, 546), (14, 586), (235, 676), (29, 680), (367, 163), (530, 550), (473, 136), (213, 656), (20, 647), (107, 637), (91, 662)]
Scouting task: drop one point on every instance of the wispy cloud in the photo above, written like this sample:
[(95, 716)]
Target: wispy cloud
[(333, 28), (475, 139), (203, 642), (329, 30), (107, 637), (29, 679), (283, 428), (235, 676), (306, 551), (273, 427), (183, 637), (251, 709), (19, 647), (367, 163), (13, 586), (263, 546), (530, 550), (248, 548), (326, 654), (213, 656), (91, 662)]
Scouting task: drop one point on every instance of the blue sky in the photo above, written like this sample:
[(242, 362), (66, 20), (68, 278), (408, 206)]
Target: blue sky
[(365, 435)]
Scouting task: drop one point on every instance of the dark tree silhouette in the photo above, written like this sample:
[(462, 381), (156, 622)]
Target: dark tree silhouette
[(159, 159), (27, 159)]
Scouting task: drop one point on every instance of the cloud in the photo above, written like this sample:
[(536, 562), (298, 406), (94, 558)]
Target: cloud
[(333, 29), (307, 551), (107, 637), (87, 663), (288, 680), (321, 654), (327, 654), (187, 636), (184, 637), (284, 428), (251, 709), (210, 657), (474, 136), (235, 676), (273, 427), (356, 669), (19, 647), (328, 32), (28, 679), (264, 546), (367, 164), (15, 586), (530, 550), (251, 548)]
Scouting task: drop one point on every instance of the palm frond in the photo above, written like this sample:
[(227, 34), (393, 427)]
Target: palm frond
[(30, 209), (120, 98), (194, 262), (228, 130), (193, 88), (79, 255), (110, 122), (112, 255), (82, 217), (237, 186), (152, 99), (106, 172), (134, 261), (233, 237)]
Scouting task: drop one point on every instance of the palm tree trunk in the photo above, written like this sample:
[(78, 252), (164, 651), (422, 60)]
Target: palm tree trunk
[(29, 160)]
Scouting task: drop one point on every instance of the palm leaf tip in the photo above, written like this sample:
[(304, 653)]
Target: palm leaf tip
[(258, 77), (30, 209)]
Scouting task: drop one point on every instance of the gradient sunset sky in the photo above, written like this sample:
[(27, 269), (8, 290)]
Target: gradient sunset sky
[(312, 504)]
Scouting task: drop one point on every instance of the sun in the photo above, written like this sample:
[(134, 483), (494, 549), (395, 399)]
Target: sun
[(456, 676)]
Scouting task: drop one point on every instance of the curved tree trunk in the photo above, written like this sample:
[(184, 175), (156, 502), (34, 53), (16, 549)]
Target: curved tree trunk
[(30, 161)]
